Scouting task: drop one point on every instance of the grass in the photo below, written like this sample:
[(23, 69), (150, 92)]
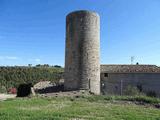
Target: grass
[(81, 108), (144, 99)]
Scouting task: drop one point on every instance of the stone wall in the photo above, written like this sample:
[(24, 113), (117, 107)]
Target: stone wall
[(82, 67), (116, 83)]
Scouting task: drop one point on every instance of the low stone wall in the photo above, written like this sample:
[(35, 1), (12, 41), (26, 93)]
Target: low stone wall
[(116, 83)]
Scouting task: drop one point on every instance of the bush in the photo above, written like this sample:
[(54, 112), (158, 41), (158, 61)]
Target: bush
[(14, 76), (131, 90), (3, 89), (139, 87), (151, 93)]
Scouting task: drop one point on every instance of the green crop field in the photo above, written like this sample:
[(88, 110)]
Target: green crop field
[(80, 108)]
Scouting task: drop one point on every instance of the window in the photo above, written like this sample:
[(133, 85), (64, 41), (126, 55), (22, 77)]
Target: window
[(105, 74)]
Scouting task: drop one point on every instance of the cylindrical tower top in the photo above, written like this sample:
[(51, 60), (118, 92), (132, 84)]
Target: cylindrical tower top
[(79, 12)]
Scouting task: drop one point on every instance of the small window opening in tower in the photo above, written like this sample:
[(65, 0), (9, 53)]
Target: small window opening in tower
[(105, 74)]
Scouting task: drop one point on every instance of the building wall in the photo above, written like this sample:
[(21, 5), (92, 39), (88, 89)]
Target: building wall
[(117, 83), (82, 67)]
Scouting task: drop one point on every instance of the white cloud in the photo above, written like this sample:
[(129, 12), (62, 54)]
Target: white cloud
[(8, 58), (37, 60), (11, 57)]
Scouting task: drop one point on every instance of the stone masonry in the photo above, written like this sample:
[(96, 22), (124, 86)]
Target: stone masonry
[(82, 57)]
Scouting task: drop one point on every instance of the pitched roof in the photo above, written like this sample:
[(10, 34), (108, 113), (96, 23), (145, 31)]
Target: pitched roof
[(130, 69)]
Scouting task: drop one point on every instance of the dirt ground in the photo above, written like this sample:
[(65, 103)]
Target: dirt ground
[(6, 96)]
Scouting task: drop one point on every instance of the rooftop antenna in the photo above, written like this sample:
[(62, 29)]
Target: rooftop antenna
[(132, 60)]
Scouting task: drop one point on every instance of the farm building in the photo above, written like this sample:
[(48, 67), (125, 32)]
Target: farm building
[(117, 79)]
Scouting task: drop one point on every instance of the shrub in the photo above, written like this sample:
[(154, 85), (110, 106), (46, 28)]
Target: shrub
[(131, 90), (139, 87), (3, 89), (151, 93)]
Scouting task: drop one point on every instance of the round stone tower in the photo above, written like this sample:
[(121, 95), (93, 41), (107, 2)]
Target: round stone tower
[(82, 57)]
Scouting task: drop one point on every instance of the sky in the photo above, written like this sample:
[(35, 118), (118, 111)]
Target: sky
[(33, 31)]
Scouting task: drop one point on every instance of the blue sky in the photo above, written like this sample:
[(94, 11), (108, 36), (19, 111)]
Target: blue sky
[(33, 31)]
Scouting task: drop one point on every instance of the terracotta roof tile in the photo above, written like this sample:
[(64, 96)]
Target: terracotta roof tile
[(130, 68)]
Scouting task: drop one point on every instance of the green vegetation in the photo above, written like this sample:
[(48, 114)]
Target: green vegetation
[(80, 108), (141, 99), (131, 90), (13, 76)]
